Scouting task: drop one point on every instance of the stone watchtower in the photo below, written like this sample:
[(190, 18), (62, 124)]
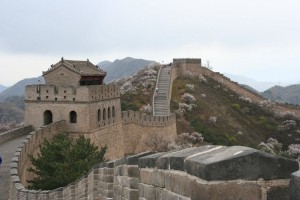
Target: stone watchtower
[(74, 92)]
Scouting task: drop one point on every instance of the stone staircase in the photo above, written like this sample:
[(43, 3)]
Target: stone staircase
[(161, 102)]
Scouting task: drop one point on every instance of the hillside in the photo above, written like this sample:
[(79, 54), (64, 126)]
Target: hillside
[(289, 94), (11, 116), (219, 114), (137, 90), (18, 89), (223, 117), (122, 68)]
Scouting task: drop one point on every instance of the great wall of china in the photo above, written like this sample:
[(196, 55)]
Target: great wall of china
[(208, 172)]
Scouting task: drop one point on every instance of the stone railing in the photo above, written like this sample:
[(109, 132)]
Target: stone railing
[(207, 172), (147, 120), (9, 135)]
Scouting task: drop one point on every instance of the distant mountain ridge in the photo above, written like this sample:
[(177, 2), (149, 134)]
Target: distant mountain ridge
[(257, 85), (18, 89), (289, 94), (122, 68), (2, 87)]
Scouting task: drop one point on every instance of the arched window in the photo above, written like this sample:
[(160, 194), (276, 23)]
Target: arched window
[(104, 114), (48, 118), (113, 112), (108, 113), (99, 115), (73, 117)]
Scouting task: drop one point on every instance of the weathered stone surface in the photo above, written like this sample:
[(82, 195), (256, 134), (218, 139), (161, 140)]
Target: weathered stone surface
[(121, 161), (133, 160), (150, 160), (235, 190), (278, 193), (239, 163), (147, 191), (175, 160), (295, 186), (173, 178)]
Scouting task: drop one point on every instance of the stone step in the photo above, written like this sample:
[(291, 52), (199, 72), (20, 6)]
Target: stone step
[(161, 104)]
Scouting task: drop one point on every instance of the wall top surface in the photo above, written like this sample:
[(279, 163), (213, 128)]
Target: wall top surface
[(223, 163)]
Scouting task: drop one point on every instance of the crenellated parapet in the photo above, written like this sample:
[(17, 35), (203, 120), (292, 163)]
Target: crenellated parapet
[(147, 120), (36, 93)]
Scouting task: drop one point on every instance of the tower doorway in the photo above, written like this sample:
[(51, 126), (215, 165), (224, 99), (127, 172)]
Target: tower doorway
[(48, 118)]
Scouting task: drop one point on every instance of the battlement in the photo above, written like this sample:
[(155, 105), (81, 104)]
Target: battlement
[(70, 93), (187, 61), (147, 120)]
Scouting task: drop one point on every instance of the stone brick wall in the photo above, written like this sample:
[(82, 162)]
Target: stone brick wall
[(186, 65), (12, 134), (147, 120), (95, 106), (143, 177), (127, 136), (81, 94), (112, 136)]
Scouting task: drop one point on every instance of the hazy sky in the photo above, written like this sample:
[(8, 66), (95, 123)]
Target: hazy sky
[(259, 39)]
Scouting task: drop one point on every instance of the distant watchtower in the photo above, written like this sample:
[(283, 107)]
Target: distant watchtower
[(74, 92)]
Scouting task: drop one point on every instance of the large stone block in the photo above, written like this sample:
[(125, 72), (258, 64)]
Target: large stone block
[(147, 191), (178, 182), (239, 163), (131, 194), (133, 160), (295, 186), (150, 160), (234, 190), (175, 160)]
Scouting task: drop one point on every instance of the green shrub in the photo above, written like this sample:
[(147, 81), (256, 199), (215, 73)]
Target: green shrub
[(236, 106), (61, 162)]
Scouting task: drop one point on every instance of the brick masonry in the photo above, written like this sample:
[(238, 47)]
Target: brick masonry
[(141, 177)]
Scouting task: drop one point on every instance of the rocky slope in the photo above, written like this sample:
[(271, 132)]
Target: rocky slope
[(224, 117)]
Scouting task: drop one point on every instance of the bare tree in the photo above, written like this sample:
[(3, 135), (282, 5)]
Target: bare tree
[(156, 142)]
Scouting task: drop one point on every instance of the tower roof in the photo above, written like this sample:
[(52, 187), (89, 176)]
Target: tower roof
[(84, 68)]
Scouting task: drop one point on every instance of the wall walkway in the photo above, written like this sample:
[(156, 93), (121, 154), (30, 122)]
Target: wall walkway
[(9, 143), (161, 101)]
